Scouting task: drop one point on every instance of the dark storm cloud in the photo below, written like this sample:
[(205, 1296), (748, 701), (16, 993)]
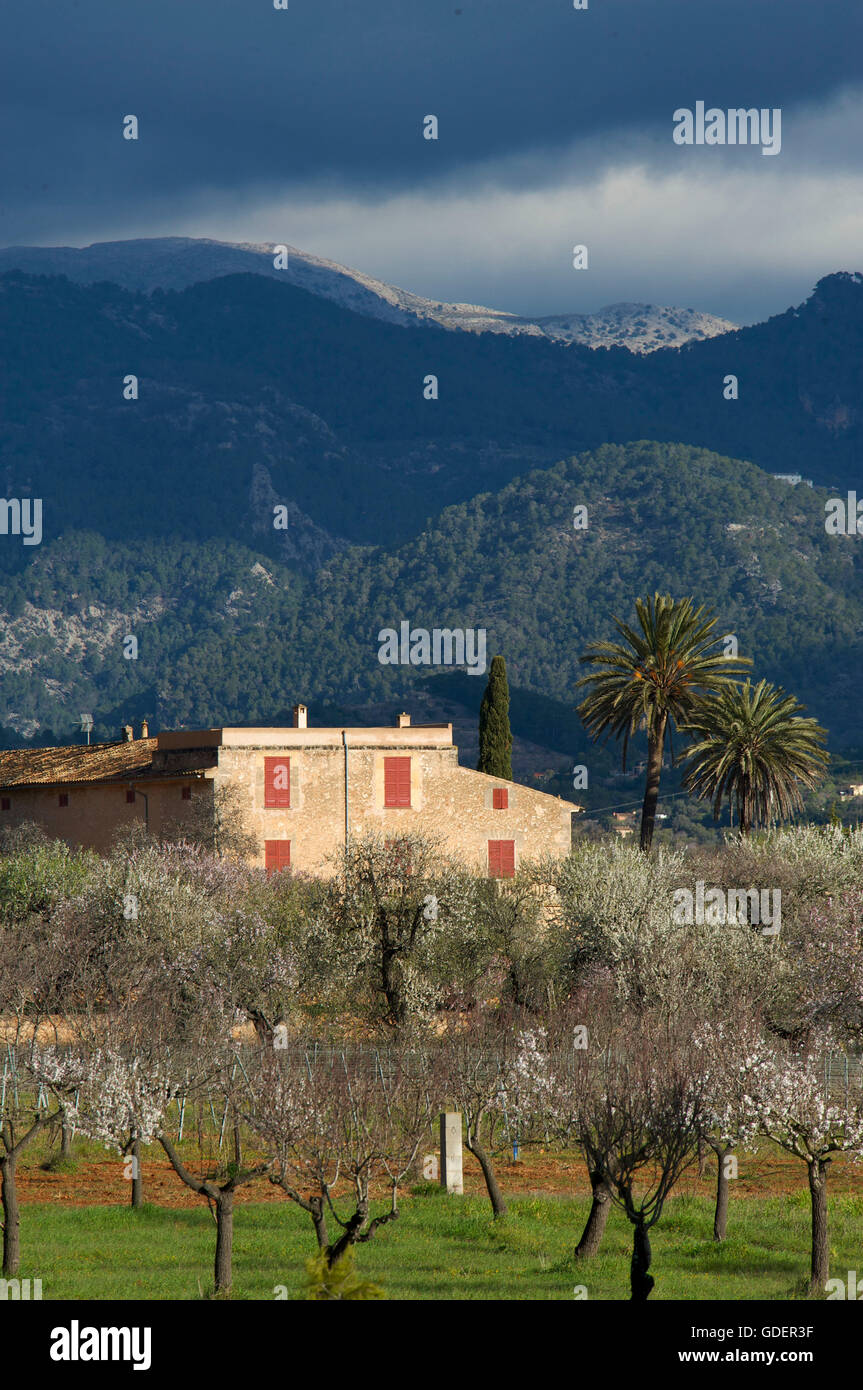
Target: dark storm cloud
[(233, 95)]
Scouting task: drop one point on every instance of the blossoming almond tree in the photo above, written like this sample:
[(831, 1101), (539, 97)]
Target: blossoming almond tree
[(21, 1120), (117, 1098), (488, 1071), (634, 1103), (801, 1112), (339, 1121), (731, 1116)]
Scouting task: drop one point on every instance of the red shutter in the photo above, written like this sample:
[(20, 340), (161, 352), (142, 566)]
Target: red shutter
[(500, 799), (501, 858), (130, 797), (187, 794), (7, 803), (397, 781), (277, 781), (64, 798), (277, 856)]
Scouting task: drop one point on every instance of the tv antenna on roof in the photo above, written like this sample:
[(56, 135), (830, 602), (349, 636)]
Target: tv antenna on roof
[(86, 726)]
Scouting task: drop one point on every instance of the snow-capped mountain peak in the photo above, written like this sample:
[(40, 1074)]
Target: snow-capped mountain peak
[(174, 262)]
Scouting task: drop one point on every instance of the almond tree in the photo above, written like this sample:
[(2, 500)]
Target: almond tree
[(798, 1112), (24, 960), (821, 984), (220, 1197), (117, 1098), (634, 1105), (21, 1121), (338, 1121), (478, 1056), (731, 1117)]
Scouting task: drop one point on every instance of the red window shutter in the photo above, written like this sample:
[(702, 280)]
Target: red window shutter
[(277, 854), (277, 782), (501, 858), (500, 799), (7, 803), (130, 796), (64, 798), (187, 793), (397, 781)]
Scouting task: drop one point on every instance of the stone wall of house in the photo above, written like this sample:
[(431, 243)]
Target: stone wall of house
[(97, 811), (449, 804)]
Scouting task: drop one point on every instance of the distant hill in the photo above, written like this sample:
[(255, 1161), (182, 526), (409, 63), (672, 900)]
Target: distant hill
[(253, 394), (173, 263), (228, 634)]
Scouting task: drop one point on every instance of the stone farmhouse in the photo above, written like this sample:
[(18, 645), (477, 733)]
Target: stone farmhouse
[(303, 791)]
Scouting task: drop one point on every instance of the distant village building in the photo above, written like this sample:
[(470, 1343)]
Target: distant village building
[(794, 479), (303, 792), (852, 791), (625, 822)]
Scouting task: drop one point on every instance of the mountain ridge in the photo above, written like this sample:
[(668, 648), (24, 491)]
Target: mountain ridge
[(227, 635), (147, 263)]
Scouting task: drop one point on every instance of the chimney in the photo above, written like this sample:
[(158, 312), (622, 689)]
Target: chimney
[(128, 733), (404, 721), (145, 729), (301, 717)]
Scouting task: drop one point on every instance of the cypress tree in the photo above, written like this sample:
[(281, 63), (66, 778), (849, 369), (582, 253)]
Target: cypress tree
[(495, 738)]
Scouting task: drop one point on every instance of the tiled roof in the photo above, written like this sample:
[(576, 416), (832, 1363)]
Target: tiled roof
[(98, 762)]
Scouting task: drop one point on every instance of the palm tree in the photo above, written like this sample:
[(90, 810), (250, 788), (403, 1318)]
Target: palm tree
[(653, 680), (756, 751)]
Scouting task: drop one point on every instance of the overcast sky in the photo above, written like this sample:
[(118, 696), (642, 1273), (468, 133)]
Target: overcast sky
[(305, 126)]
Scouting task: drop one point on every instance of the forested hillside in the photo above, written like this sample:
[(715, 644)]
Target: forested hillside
[(252, 394), (228, 634)]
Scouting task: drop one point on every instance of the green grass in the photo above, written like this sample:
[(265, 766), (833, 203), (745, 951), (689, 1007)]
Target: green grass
[(440, 1248)]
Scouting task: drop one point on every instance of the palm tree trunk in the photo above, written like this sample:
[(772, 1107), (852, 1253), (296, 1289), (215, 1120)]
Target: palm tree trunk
[(655, 749)]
